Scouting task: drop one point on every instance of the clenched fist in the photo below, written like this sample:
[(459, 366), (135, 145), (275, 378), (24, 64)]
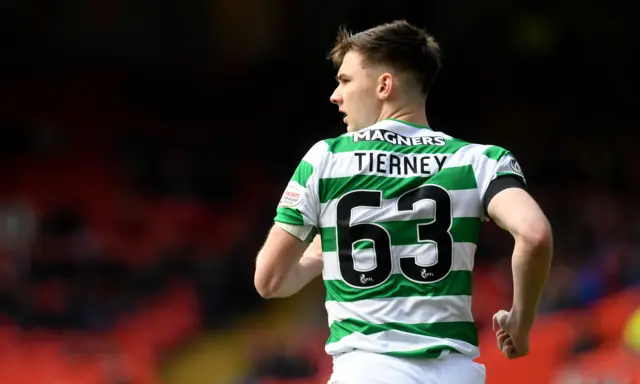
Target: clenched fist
[(513, 341)]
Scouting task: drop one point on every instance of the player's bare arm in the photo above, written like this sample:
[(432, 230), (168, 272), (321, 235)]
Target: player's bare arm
[(285, 264), (517, 212)]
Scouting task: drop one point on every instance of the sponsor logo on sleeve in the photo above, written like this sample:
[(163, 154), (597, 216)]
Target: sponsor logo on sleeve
[(291, 197)]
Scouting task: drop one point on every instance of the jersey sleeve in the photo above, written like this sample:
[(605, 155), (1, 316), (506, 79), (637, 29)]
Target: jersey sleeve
[(299, 206), (497, 162)]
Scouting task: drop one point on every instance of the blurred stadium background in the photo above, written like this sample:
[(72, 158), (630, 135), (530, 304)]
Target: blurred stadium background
[(144, 146)]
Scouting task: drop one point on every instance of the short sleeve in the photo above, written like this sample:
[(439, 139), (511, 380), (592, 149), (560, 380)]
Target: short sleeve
[(497, 162), (299, 204), (507, 165)]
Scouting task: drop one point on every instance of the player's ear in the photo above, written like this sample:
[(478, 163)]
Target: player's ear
[(385, 85)]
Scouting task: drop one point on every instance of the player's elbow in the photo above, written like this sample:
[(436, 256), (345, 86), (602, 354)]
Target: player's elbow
[(266, 287), (536, 234), (265, 293), (263, 288)]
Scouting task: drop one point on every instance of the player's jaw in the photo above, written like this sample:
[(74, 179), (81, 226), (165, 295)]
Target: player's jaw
[(353, 123), (359, 110), (359, 119)]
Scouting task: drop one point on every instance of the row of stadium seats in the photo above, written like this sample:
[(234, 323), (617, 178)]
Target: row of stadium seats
[(123, 224), (130, 350)]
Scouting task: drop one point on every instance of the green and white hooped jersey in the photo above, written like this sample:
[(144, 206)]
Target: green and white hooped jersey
[(399, 209)]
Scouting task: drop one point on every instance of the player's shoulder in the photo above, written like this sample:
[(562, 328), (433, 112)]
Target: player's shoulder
[(321, 149), (481, 151), (496, 158), (495, 152), (317, 152), (333, 144)]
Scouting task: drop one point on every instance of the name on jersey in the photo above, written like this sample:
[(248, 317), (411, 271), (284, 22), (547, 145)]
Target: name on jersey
[(393, 165), (397, 139)]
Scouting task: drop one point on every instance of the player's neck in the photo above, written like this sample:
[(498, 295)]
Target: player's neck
[(416, 117)]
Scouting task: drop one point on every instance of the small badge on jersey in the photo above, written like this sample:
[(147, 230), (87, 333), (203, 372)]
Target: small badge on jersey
[(515, 167), (291, 197)]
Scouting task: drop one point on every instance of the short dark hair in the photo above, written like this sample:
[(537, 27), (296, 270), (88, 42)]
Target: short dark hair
[(398, 44)]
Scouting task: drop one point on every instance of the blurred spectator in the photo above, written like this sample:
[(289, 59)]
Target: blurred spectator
[(18, 230)]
